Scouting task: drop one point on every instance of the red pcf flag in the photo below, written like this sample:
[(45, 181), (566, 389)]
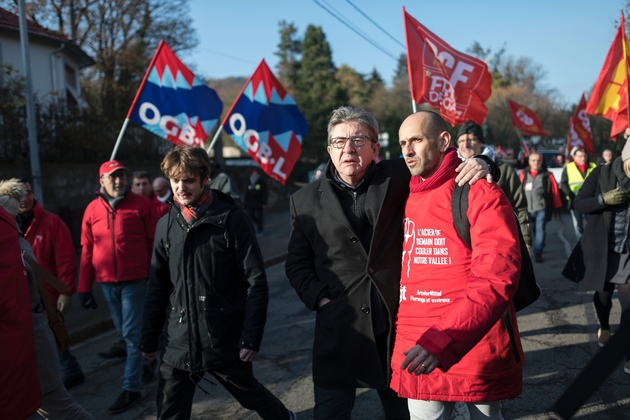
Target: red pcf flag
[(526, 120), (580, 135), (446, 79), (610, 94)]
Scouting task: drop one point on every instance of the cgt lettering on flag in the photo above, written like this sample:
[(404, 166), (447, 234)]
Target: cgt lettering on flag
[(266, 123), (580, 134), (450, 81)]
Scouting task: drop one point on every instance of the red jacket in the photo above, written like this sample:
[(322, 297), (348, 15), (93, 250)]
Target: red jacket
[(452, 298), (52, 245), (20, 395), (117, 245), (160, 207)]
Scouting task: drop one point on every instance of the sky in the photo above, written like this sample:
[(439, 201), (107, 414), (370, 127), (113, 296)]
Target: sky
[(569, 39)]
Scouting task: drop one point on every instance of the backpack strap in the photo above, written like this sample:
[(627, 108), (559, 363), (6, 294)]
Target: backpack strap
[(459, 207)]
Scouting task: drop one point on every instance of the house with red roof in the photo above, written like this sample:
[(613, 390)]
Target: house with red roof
[(55, 59)]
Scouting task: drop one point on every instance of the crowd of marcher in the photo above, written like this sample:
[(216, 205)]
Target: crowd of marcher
[(403, 303)]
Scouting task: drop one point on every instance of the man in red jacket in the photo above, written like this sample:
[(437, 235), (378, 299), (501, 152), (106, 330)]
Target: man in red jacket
[(451, 345), (52, 244), (140, 185), (117, 239)]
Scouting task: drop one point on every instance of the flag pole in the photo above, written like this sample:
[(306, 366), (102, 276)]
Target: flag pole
[(135, 99), (214, 139), (413, 106), (120, 136)]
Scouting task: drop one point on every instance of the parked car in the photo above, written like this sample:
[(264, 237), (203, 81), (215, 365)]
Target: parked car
[(549, 158)]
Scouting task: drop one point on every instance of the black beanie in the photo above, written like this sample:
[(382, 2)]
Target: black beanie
[(471, 127)]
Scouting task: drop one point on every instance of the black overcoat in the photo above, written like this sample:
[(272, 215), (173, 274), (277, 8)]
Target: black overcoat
[(325, 254), (587, 263)]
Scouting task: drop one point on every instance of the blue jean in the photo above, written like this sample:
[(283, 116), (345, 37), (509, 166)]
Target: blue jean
[(70, 367), (539, 226), (579, 221), (126, 304)]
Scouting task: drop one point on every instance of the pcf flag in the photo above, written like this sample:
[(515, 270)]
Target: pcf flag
[(580, 135), (173, 103), (446, 79), (266, 123), (526, 120), (610, 94)]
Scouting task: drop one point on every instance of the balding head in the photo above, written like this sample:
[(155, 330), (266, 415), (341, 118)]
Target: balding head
[(424, 139)]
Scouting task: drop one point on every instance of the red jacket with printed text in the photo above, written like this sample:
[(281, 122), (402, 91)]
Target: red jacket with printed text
[(117, 244), (20, 395), (52, 245), (452, 298)]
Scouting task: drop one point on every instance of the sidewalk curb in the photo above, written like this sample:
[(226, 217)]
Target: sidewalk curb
[(105, 324)]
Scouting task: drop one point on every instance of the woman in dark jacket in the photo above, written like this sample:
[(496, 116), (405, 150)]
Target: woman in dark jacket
[(601, 259)]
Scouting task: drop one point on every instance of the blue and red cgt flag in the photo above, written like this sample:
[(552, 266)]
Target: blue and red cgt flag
[(266, 123), (173, 103)]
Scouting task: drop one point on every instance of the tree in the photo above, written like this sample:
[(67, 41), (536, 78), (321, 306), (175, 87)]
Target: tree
[(121, 36), (289, 50), (318, 93)]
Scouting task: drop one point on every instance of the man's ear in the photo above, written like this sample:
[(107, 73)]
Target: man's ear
[(445, 141)]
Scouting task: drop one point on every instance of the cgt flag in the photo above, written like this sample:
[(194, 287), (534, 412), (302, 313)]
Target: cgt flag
[(610, 94), (580, 135), (173, 103), (526, 120), (266, 123), (446, 79)]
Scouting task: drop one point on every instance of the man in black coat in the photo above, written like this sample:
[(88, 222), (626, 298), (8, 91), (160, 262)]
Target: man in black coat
[(208, 271), (344, 262)]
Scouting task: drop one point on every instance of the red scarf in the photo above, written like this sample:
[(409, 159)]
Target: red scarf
[(445, 172), (582, 168), (195, 211)]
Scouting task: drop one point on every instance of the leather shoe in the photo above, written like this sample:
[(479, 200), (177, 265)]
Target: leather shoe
[(113, 352), (74, 380), (124, 402)]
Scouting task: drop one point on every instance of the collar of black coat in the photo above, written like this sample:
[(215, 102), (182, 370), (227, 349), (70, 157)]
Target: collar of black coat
[(333, 177)]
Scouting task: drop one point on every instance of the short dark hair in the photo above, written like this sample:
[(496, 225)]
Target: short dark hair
[(140, 175), (192, 161)]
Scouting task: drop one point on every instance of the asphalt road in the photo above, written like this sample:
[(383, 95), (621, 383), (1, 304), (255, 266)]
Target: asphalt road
[(558, 334)]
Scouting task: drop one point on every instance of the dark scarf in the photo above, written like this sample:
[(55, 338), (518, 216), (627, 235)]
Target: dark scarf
[(445, 172), (24, 219), (195, 211), (113, 201), (622, 178)]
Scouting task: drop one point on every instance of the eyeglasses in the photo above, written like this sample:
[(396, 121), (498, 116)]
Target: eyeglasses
[(468, 140), (340, 142)]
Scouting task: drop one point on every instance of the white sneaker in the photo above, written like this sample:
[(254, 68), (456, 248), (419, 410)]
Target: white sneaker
[(626, 367), (603, 337)]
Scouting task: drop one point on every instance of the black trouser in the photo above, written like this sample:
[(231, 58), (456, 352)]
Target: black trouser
[(256, 215), (337, 404), (176, 389)]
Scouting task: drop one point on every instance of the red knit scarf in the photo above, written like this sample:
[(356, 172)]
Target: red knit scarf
[(195, 211), (445, 172)]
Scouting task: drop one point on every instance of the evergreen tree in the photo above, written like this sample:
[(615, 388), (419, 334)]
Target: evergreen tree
[(318, 94)]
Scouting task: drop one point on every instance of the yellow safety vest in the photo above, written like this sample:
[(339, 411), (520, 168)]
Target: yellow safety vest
[(574, 176)]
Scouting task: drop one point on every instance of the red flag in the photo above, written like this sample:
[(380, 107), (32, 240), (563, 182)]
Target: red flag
[(580, 135), (610, 94), (446, 79), (526, 120)]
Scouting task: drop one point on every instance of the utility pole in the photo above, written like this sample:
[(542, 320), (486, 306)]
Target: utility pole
[(30, 109)]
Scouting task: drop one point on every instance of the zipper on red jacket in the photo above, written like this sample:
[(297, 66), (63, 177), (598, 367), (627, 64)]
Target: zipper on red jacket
[(113, 229)]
